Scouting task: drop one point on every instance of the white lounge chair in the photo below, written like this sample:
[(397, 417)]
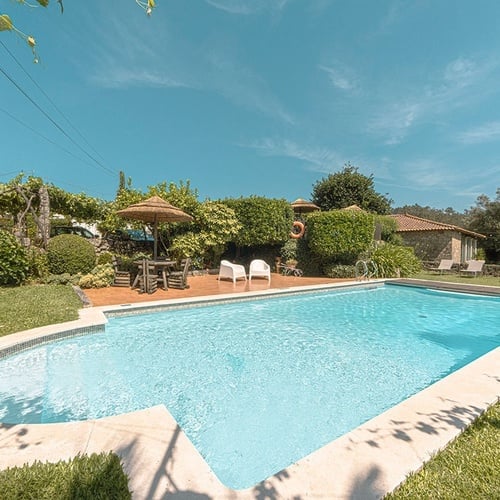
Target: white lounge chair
[(231, 271), (444, 265), (473, 267), (259, 268)]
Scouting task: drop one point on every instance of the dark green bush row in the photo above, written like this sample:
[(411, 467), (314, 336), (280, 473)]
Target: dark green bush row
[(94, 477), (264, 221), (340, 235)]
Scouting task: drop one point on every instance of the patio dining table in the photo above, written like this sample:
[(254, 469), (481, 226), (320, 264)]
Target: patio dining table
[(161, 268)]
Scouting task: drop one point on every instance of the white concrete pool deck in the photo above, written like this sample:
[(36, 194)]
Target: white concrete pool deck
[(161, 462)]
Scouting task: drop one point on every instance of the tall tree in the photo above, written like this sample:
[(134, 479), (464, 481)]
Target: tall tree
[(349, 187), (446, 216), (484, 218)]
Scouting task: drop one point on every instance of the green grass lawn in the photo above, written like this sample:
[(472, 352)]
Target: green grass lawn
[(456, 278), (98, 476), (25, 307), (468, 468)]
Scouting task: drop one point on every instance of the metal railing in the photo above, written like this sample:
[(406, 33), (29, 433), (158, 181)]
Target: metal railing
[(366, 270)]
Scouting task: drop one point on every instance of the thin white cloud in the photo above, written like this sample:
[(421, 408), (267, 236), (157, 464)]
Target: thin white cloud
[(452, 89), (340, 78), (247, 7), (137, 55), (321, 160), (395, 121), (426, 174), (242, 86), (124, 77), (461, 72), (488, 132), (391, 17)]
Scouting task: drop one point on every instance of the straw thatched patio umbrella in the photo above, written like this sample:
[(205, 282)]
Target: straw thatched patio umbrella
[(302, 206), (154, 210)]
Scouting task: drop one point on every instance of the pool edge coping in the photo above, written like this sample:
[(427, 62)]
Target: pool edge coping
[(370, 460)]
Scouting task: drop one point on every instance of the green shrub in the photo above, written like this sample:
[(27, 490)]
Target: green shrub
[(83, 478), (310, 263), (100, 277), (339, 271), (339, 235), (13, 260), (38, 265), (105, 258), (68, 253), (62, 279), (395, 261), (389, 227), (289, 250)]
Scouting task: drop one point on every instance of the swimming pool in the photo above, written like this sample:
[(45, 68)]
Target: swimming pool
[(273, 375)]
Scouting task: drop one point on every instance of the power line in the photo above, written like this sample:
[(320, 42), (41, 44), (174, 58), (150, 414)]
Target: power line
[(29, 127), (49, 99), (19, 88)]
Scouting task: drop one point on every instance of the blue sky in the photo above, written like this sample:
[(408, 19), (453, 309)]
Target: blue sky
[(261, 97)]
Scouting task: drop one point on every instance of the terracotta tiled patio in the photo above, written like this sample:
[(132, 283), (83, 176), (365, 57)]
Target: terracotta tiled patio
[(200, 286)]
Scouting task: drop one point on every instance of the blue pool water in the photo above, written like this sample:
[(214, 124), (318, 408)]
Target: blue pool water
[(258, 384)]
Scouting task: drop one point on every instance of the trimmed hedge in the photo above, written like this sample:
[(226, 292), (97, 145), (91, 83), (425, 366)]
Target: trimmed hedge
[(69, 253), (264, 221), (94, 477), (13, 260), (340, 235)]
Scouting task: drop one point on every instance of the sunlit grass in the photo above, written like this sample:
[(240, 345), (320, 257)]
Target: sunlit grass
[(25, 307), (467, 468), (456, 278)]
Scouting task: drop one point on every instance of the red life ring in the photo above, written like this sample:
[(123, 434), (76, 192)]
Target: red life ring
[(301, 229)]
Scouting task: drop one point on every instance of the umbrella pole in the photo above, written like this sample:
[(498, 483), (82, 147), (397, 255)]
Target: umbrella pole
[(155, 237)]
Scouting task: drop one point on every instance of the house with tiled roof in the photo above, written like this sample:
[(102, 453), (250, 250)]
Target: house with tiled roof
[(436, 240)]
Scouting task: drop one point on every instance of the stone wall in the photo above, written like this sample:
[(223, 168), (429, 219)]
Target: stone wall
[(121, 247), (434, 245)]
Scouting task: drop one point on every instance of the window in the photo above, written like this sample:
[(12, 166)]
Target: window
[(469, 248)]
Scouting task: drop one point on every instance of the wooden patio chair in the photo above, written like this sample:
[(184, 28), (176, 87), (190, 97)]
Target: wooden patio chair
[(178, 279), (121, 278), (147, 277)]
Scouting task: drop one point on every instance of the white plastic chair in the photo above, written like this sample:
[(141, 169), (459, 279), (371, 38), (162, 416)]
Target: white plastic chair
[(259, 268), (232, 271)]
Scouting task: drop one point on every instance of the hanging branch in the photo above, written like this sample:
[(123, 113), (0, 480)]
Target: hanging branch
[(6, 23)]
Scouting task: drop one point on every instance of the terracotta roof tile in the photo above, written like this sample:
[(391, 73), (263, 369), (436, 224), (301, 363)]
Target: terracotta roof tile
[(409, 223)]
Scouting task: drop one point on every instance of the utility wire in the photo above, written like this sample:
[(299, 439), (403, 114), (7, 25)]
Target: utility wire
[(29, 127), (19, 88), (49, 99)]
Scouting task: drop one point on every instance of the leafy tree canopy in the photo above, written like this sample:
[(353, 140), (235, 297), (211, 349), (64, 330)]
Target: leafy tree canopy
[(446, 216), (484, 218), (76, 206), (349, 187)]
